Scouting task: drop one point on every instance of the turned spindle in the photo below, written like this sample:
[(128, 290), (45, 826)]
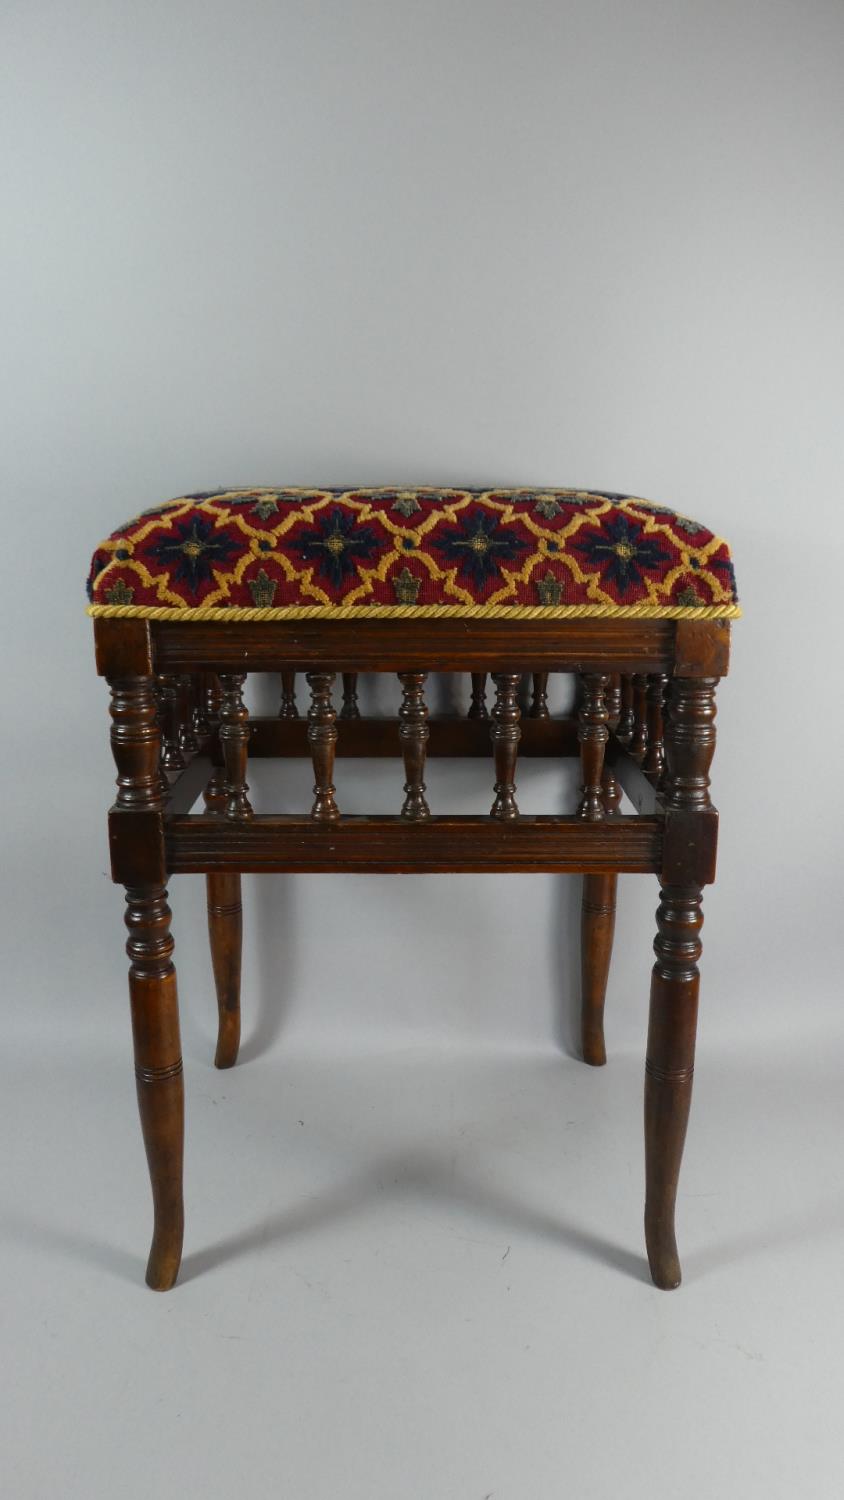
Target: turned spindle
[(349, 709), (539, 699), (654, 761), (322, 738), (169, 697), (188, 741), (288, 709), (234, 741), (159, 719), (213, 698), (413, 735), (639, 738), (215, 790), (477, 707), (669, 1069), (613, 699), (624, 727), (592, 734), (506, 733), (610, 790), (201, 721)]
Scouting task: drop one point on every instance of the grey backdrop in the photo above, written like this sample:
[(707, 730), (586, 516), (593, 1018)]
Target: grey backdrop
[(535, 244), (591, 243)]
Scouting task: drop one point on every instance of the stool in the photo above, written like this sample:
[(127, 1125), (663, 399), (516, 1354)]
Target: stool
[(633, 598)]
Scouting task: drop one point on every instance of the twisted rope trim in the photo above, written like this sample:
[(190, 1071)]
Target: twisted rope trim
[(213, 613)]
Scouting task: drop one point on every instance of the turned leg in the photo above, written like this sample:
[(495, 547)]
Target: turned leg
[(597, 925), (668, 1071), (158, 1071), (689, 862), (225, 932), (135, 743)]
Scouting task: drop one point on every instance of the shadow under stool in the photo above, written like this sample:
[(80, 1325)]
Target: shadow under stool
[(631, 597)]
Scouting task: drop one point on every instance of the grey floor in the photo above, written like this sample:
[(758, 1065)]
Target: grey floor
[(421, 1274)]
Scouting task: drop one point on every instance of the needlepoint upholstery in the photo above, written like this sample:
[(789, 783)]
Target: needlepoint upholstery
[(254, 554)]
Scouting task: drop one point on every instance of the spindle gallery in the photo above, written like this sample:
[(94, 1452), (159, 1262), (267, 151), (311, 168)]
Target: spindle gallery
[(506, 586)]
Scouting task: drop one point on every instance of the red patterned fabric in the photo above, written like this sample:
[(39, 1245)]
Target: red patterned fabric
[(295, 552)]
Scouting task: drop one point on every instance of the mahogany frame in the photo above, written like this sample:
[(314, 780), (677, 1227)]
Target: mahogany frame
[(645, 723)]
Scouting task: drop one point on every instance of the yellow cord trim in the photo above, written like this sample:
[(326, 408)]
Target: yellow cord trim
[(418, 612)]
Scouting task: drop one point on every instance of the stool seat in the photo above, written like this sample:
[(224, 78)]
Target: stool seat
[(255, 554)]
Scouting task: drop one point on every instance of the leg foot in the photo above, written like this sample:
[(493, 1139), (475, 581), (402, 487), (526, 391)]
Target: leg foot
[(225, 932)]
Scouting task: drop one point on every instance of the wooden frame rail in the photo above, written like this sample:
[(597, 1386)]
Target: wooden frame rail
[(392, 845), (450, 645), (688, 648)]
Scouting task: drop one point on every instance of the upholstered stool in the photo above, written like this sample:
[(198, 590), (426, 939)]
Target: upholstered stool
[(632, 597)]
